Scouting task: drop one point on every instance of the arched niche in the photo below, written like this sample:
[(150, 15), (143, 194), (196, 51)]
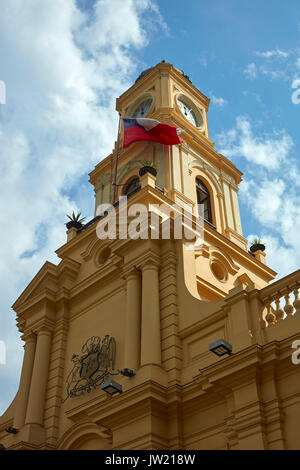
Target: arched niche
[(85, 436), (126, 175), (209, 180)]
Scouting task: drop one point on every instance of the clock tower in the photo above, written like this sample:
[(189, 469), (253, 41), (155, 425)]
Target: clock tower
[(190, 174)]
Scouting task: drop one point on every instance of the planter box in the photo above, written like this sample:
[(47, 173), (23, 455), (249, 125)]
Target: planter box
[(74, 224), (148, 169), (256, 247)]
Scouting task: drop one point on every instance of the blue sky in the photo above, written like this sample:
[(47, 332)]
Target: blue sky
[(64, 63)]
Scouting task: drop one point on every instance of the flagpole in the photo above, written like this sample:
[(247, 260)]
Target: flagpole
[(114, 183)]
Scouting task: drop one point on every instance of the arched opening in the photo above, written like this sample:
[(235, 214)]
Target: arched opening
[(91, 442), (203, 197), (132, 186), (85, 436)]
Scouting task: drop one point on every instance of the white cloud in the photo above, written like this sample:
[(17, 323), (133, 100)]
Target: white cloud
[(269, 189), (276, 53), (63, 70), (266, 198), (275, 64), (267, 151), (251, 71), (273, 74), (220, 102)]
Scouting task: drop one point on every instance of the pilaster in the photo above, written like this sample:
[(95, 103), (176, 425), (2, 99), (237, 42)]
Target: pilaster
[(38, 386), (150, 325), (24, 387), (133, 319)]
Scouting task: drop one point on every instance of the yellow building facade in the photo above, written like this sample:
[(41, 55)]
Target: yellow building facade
[(154, 306)]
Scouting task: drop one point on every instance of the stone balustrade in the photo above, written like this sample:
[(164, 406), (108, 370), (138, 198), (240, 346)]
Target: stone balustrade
[(281, 299)]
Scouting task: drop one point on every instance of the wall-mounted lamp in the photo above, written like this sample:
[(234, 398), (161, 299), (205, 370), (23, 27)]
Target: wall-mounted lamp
[(127, 372), (111, 387), (11, 430), (220, 347)]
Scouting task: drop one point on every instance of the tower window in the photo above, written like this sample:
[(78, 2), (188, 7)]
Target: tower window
[(203, 197), (132, 186)]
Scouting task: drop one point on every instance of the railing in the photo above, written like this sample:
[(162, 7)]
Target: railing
[(281, 299)]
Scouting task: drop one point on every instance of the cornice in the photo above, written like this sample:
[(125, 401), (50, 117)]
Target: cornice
[(44, 297), (48, 270), (217, 314), (110, 411), (62, 277), (243, 366), (104, 164)]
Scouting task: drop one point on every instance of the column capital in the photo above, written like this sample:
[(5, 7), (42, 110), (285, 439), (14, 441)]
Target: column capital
[(44, 330), (150, 265), (44, 327), (149, 261), (29, 337), (130, 273)]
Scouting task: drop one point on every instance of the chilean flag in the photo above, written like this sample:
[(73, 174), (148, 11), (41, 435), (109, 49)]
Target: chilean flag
[(149, 129)]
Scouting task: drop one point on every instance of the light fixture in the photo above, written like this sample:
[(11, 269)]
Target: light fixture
[(11, 430), (220, 347), (111, 387), (127, 372)]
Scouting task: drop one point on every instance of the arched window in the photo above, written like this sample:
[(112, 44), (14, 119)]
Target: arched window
[(203, 197), (132, 186)]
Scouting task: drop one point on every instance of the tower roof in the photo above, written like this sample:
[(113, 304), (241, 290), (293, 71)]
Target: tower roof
[(146, 71)]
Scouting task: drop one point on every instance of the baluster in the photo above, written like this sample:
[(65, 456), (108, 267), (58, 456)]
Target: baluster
[(288, 308), (279, 312), (296, 301), (270, 317)]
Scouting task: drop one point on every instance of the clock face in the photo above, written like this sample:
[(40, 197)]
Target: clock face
[(188, 112), (142, 109)]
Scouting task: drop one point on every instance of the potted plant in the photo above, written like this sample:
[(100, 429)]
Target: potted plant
[(75, 220), (256, 245), (148, 166)]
